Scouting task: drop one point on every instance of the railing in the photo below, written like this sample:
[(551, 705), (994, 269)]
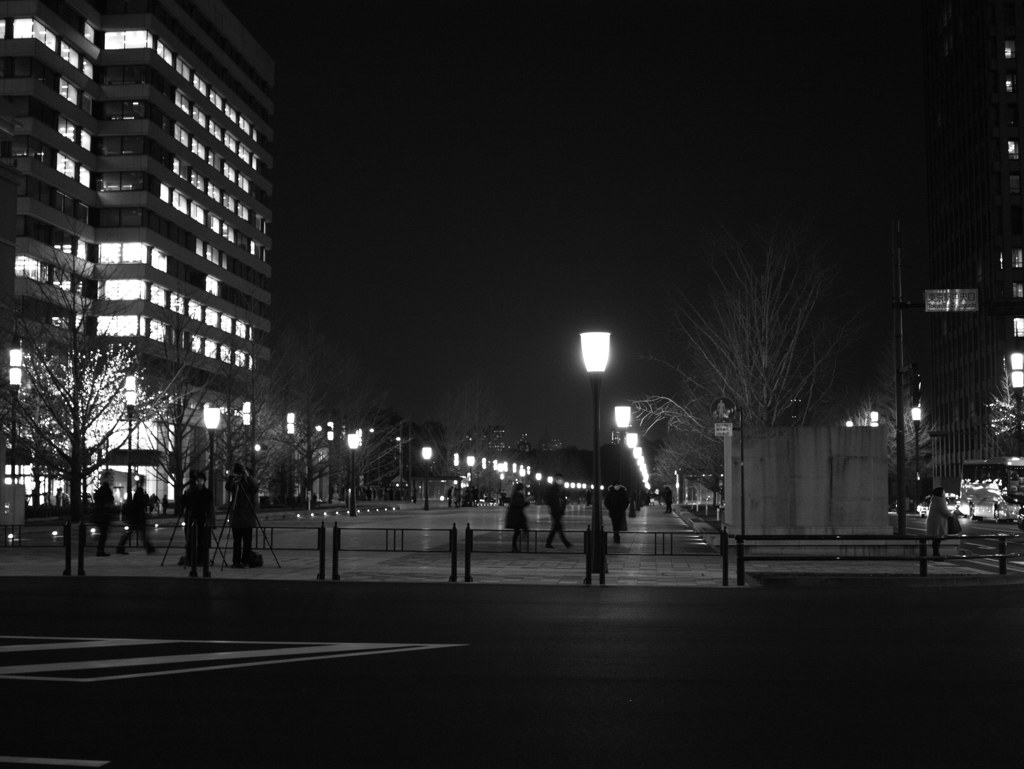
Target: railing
[(921, 557)]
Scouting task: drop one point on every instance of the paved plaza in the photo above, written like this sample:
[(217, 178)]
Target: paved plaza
[(401, 542)]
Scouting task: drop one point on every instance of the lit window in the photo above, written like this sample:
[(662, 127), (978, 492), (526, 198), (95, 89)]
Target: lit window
[(1018, 290), (181, 135), (68, 91), (180, 202), (177, 303), (69, 54), (211, 317), (127, 38), (87, 67), (197, 343), (89, 32), (84, 176), (212, 285), (158, 260), (217, 100), (65, 165), (195, 310), (66, 128), (1018, 327), (164, 53), (196, 212), (225, 354), (199, 84), (1010, 49), (198, 148), (85, 140), (27, 267), (30, 28), (158, 295), (241, 359), (134, 253), (124, 290), (1017, 257), (225, 323), (181, 101), (157, 331), (183, 69), (216, 130), (210, 348), (1011, 82), (241, 329), (1013, 149), (117, 325), (199, 116)]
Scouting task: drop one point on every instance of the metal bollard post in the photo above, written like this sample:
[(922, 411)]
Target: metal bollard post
[(604, 559), (588, 550), (469, 550), (67, 548), (81, 548), (740, 566), (922, 552), (1002, 554), (453, 546), (321, 544), (724, 547), (335, 550)]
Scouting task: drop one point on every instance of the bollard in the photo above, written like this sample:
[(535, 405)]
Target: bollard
[(740, 576), (321, 544), (469, 550), (922, 552), (724, 547), (1002, 554), (335, 550), (604, 560), (587, 550), (453, 547), (67, 548), (81, 548)]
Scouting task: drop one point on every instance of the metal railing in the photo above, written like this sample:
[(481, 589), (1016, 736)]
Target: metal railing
[(922, 557)]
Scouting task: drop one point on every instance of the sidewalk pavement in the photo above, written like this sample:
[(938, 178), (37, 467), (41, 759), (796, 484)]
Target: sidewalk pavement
[(657, 550)]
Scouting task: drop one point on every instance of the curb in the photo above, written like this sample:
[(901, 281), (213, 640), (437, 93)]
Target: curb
[(817, 580)]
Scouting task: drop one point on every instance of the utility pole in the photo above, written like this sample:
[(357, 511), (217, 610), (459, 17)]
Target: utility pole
[(897, 320)]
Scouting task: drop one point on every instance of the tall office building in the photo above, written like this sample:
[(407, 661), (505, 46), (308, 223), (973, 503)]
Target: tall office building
[(975, 217), (142, 131)]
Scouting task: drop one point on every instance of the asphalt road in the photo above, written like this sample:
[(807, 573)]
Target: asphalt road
[(319, 674)]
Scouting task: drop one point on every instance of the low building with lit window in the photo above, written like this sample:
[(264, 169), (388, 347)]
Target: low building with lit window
[(141, 135)]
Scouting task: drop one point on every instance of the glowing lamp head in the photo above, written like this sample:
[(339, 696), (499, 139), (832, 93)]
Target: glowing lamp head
[(595, 346)]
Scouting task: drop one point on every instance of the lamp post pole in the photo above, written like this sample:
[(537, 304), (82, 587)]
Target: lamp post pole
[(915, 417), (16, 360), (1017, 383), (428, 452), (354, 441), (595, 346), (211, 418), (130, 399)]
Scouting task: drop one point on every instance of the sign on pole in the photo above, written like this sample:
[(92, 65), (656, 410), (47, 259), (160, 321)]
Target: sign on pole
[(723, 429), (951, 300), (722, 409)]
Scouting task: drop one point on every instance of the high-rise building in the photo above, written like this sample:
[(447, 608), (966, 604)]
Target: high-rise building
[(141, 134), (975, 219)]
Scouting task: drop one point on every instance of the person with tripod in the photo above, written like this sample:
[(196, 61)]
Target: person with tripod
[(243, 515), (137, 519), (200, 521)]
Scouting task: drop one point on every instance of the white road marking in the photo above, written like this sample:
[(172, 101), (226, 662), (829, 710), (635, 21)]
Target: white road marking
[(270, 653), (38, 761)]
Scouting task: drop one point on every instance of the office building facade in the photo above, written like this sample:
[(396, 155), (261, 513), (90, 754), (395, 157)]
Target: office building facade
[(974, 73), (142, 138)]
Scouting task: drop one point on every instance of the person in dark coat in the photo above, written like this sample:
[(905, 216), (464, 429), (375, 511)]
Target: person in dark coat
[(243, 515), (137, 507), (200, 522), (515, 517), (556, 501), (937, 524), (616, 499), (103, 511), (666, 497)]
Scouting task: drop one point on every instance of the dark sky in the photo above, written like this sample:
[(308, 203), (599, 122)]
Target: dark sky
[(460, 188)]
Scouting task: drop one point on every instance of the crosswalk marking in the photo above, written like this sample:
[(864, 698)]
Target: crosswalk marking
[(109, 668)]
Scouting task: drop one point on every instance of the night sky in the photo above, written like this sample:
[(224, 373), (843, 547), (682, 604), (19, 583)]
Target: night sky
[(460, 188)]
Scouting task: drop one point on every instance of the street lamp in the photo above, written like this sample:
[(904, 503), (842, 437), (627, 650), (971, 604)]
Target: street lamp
[(915, 417), (873, 416), (427, 454), (131, 396), (1017, 383), (595, 347), (211, 419), (14, 379), (354, 441)]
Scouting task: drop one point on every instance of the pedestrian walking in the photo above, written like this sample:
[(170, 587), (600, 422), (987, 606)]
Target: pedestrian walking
[(103, 511), (200, 522), (515, 517), (666, 497), (137, 506), (243, 515), (616, 499), (555, 500), (939, 516)]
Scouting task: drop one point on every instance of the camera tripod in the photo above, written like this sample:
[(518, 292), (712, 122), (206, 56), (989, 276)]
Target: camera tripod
[(192, 533), (239, 488)]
